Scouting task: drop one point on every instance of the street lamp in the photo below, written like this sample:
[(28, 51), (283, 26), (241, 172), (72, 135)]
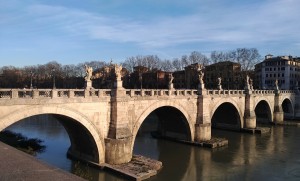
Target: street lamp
[(31, 74), (141, 80), (53, 74)]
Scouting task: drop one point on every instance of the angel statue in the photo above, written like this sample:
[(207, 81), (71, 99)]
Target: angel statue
[(88, 72)]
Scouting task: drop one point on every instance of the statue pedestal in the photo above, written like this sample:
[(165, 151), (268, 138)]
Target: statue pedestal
[(88, 84)]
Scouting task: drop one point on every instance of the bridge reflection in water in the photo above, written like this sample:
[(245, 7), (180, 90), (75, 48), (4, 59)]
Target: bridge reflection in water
[(275, 156)]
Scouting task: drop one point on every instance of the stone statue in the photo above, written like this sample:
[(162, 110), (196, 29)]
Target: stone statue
[(88, 72), (251, 84), (248, 83), (276, 84), (219, 81), (247, 80), (118, 69), (200, 76), (171, 78)]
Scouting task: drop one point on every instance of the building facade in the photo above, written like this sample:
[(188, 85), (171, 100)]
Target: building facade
[(230, 73), (285, 70)]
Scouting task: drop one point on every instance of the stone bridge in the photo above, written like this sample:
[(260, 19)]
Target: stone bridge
[(103, 123)]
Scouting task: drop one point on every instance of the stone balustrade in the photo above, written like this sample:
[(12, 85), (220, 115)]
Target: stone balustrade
[(224, 92), (77, 93)]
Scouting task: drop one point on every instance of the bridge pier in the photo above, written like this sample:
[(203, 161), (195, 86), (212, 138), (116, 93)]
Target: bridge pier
[(249, 114), (118, 143), (278, 114), (203, 125)]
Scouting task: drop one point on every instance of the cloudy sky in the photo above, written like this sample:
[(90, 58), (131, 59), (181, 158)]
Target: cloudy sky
[(73, 31)]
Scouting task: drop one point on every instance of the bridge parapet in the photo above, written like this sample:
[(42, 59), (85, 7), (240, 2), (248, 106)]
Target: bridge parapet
[(52, 93), (225, 92), (287, 91), (160, 92), (263, 92)]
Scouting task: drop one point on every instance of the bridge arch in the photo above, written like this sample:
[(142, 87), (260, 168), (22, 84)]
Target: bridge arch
[(287, 107), (229, 114), (157, 105), (72, 115), (263, 111)]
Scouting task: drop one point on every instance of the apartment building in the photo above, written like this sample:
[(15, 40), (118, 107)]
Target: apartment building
[(284, 69)]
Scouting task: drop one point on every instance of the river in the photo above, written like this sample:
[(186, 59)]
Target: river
[(272, 156)]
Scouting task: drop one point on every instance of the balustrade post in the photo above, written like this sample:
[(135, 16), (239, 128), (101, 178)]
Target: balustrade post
[(100, 93), (87, 93), (35, 93), (14, 93), (71, 93), (54, 93)]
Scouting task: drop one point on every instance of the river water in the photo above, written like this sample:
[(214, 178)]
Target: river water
[(272, 156)]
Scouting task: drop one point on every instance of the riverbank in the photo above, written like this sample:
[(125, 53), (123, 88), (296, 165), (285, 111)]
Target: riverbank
[(17, 165)]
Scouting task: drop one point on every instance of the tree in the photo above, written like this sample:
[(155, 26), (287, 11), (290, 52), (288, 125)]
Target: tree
[(167, 66), (247, 57), (197, 57)]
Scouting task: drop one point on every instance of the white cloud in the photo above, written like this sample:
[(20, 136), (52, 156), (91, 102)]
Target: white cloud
[(215, 22)]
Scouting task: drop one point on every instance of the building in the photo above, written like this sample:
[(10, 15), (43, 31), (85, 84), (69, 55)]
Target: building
[(143, 78), (284, 69), (187, 78), (230, 73)]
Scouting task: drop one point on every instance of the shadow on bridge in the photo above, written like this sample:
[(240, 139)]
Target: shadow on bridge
[(263, 112), (226, 116), (287, 109), (164, 122)]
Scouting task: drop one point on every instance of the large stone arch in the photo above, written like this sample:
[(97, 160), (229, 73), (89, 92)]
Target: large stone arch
[(262, 99), (230, 101), (287, 107), (153, 107), (29, 111)]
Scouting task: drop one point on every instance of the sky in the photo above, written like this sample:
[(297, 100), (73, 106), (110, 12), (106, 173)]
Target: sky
[(75, 31)]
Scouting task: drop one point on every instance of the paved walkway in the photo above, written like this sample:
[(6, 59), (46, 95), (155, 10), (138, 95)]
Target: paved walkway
[(16, 165)]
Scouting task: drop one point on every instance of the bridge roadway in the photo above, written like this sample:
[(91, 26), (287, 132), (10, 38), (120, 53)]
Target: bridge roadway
[(17, 165), (103, 123)]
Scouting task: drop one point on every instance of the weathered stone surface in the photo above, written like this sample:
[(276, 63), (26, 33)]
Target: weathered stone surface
[(112, 118), (139, 168)]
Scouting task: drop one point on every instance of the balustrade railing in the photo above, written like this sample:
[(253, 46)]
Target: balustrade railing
[(77, 93)]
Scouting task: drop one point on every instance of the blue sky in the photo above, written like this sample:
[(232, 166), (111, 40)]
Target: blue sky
[(74, 31)]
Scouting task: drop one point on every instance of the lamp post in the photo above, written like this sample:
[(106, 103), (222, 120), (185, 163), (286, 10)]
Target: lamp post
[(31, 74), (141, 80), (53, 74)]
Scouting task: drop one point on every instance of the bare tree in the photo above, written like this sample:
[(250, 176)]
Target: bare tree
[(197, 57), (247, 57), (167, 66)]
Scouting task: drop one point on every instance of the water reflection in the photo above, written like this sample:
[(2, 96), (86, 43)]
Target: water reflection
[(274, 156)]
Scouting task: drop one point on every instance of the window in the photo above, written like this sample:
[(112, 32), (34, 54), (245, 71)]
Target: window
[(266, 75)]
